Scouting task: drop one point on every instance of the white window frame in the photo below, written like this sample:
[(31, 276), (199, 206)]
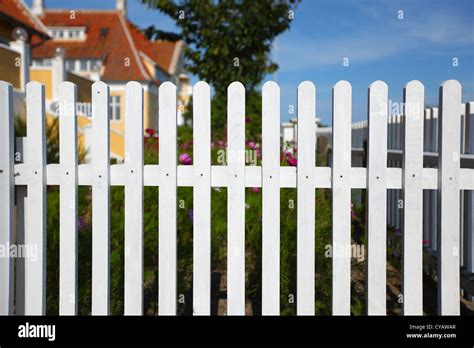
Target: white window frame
[(114, 107)]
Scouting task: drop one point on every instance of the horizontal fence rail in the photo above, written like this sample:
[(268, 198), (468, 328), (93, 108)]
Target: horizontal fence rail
[(412, 179)]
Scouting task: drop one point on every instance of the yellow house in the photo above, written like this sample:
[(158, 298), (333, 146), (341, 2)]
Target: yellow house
[(104, 45), (84, 46), (17, 27)]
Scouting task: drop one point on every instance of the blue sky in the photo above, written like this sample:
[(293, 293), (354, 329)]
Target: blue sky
[(378, 44)]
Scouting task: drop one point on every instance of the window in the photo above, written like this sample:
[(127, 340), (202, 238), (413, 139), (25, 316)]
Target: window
[(41, 62), (83, 65), (67, 33), (115, 108), (70, 65), (95, 65)]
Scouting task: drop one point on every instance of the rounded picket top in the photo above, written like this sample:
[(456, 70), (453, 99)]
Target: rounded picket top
[(67, 89), (167, 86), (451, 83), (33, 85), (202, 85), (415, 84), (35, 89), (379, 85), (236, 86), (307, 85), (133, 85), (270, 85), (201, 89), (454, 86), (342, 85), (100, 87), (342, 89)]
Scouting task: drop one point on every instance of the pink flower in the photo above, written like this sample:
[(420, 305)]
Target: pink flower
[(220, 143), (150, 132), (425, 242), (255, 189), (251, 145), (292, 161), (185, 159)]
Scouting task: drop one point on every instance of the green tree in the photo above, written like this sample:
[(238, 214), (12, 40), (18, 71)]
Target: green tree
[(226, 40)]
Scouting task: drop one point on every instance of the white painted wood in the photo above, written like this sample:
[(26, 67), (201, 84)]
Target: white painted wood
[(390, 193), (377, 199), (253, 176), (100, 177), (20, 199), (133, 291), (412, 286), (434, 130), (469, 195), (167, 243), (236, 199), (202, 199), (306, 200), (35, 233), (448, 198), (426, 194), (7, 194), (271, 199), (68, 199), (341, 198), (434, 194)]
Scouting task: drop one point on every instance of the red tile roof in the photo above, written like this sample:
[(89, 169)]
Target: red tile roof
[(161, 52), (109, 37), (17, 12)]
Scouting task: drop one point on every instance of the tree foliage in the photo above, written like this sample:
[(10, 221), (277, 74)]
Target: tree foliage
[(226, 40)]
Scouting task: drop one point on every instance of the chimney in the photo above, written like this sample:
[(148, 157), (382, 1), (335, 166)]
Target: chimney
[(37, 7), (121, 6)]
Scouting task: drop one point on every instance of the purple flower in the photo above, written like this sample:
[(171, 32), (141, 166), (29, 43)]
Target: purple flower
[(191, 214), (185, 159), (395, 254), (398, 233), (81, 224), (255, 189), (251, 145)]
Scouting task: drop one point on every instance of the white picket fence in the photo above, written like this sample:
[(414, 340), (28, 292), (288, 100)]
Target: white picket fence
[(36, 174), (430, 148)]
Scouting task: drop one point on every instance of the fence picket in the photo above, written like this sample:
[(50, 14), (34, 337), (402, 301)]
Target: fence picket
[(341, 198), (423, 216), (68, 200), (100, 199), (469, 195), (434, 193), (236, 199), (35, 233), (133, 281), (7, 189), (426, 193), (306, 199), (413, 199), (377, 199), (202, 199), (448, 198), (271, 199), (167, 242)]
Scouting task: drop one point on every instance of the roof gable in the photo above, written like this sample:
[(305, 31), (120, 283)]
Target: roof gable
[(18, 12)]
